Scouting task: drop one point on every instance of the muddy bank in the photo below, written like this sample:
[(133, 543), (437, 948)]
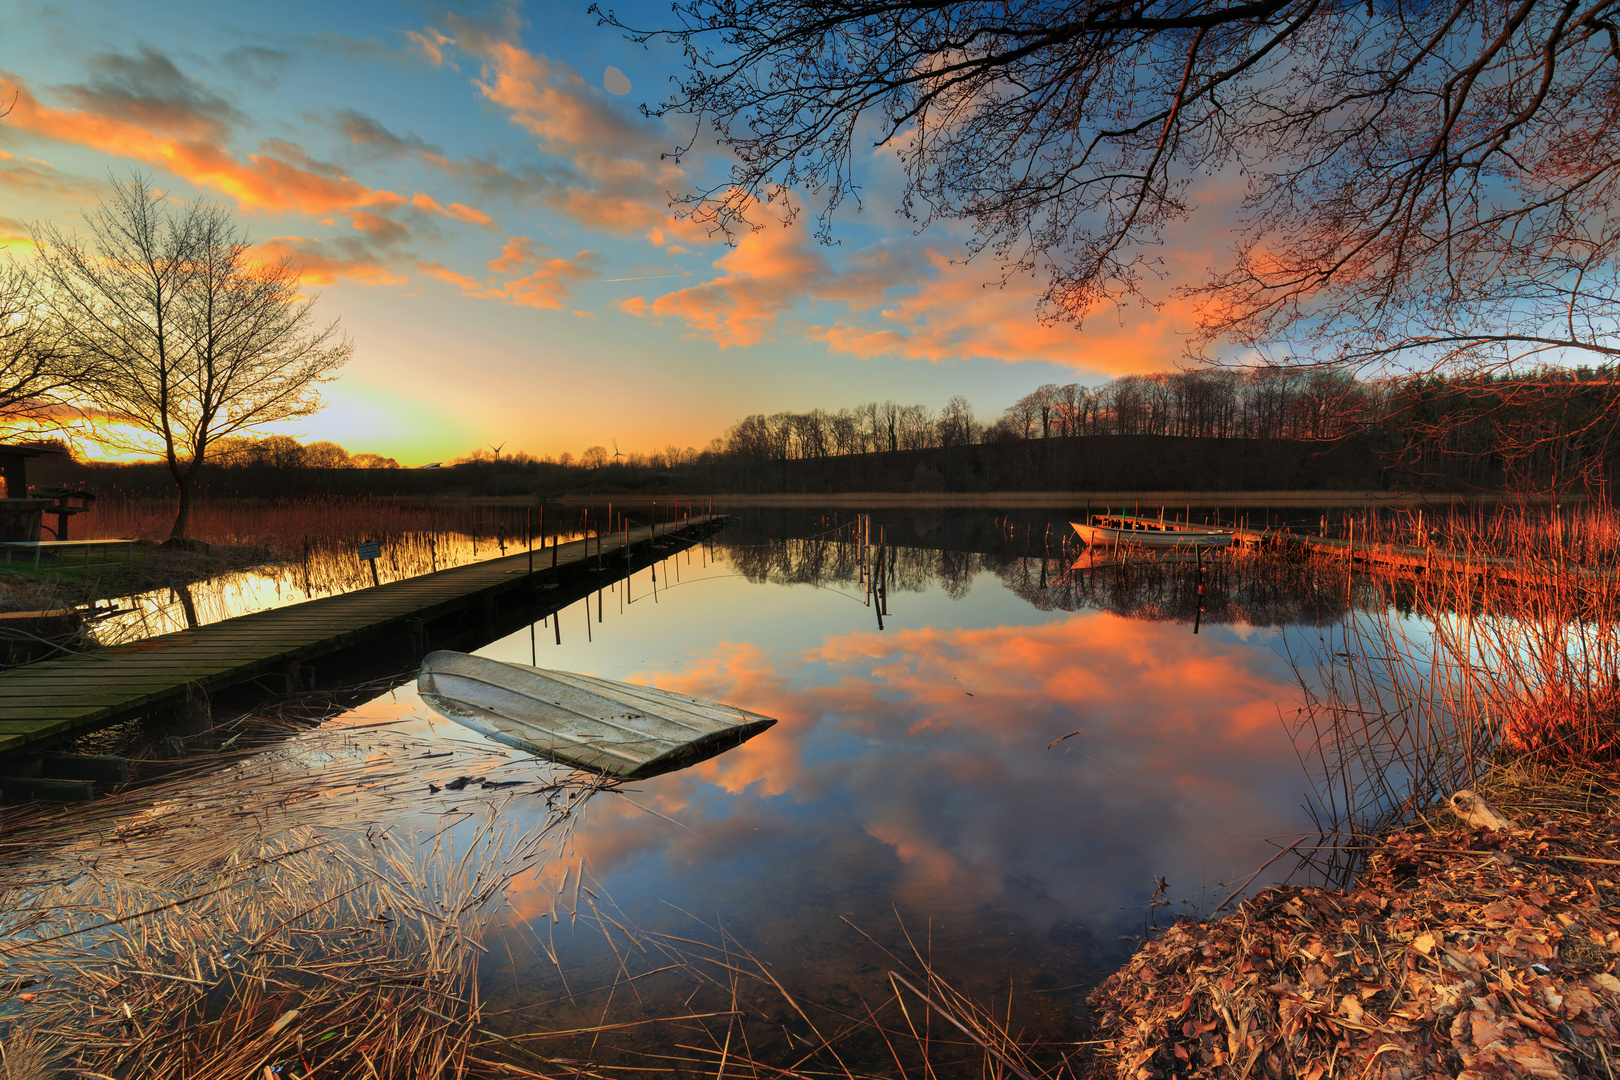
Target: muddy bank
[(1458, 953)]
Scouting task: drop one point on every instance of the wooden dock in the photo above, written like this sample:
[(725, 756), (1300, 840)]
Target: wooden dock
[(1396, 558), (45, 701)]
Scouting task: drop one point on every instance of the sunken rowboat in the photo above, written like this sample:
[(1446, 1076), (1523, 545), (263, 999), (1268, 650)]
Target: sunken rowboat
[(614, 728), (1105, 536)]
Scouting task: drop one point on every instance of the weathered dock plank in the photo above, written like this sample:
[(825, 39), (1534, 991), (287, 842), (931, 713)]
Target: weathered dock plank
[(66, 695)]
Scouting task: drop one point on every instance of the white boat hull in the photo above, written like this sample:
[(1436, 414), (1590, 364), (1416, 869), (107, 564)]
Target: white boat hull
[(615, 728), (1105, 536)]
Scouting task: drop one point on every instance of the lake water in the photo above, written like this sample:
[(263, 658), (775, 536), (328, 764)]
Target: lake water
[(997, 779), (993, 779)]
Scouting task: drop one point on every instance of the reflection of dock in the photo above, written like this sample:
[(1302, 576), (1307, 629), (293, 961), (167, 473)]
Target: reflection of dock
[(50, 699), (1397, 558)]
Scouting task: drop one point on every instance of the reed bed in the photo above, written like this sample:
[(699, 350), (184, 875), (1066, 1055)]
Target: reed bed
[(1455, 674), (288, 524), (1587, 534), (311, 548), (299, 912)]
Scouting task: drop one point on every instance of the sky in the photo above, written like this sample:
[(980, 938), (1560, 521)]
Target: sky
[(476, 195)]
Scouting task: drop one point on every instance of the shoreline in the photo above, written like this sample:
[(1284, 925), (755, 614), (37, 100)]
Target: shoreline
[(1016, 499), (1457, 952)]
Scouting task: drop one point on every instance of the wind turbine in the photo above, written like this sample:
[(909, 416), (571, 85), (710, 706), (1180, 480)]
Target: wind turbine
[(495, 467), (616, 454)]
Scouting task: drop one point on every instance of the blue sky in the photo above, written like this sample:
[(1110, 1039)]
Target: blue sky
[(487, 212)]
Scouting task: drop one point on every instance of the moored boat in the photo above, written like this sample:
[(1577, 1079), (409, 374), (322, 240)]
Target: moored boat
[(615, 728), (1107, 535)]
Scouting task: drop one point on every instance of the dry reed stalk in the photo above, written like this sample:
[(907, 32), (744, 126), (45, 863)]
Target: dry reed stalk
[(743, 1020), (1455, 673), (280, 913)]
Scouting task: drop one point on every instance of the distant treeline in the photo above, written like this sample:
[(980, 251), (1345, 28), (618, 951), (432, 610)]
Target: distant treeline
[(1206, 429), (1554, 429), (285, 452)]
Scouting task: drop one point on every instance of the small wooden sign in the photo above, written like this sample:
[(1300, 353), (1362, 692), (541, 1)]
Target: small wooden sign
[(371, 549)]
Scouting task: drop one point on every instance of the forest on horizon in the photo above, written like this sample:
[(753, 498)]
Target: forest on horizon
[(1265, 428)]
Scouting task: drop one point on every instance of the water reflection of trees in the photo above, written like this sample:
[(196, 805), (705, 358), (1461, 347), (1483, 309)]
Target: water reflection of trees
[(824, 562), (1238, 588)]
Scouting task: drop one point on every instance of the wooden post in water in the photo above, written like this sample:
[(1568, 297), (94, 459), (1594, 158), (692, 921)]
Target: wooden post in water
[(528, 535), (877, 579), (1198, 616)]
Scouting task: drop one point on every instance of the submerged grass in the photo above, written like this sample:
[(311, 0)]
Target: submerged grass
[(300, 912), (700, 1003)]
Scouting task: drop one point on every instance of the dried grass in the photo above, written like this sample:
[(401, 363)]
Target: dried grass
[(727, 1012), (278, 917)]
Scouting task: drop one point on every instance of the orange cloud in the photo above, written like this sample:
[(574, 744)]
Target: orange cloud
[(769, 272), (320, 265), (377, 227), (431, 44), (469, 285), (459, 211), (954, 313), (553, 101), (622, 172), (546, 285), (946, 310), (518, 253), (264, 182)]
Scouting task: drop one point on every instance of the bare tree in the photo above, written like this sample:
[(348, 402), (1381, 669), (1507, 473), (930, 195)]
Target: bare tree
[(1021, 414), (40, 374), (957, 426), (1427, 184), (192, 338)]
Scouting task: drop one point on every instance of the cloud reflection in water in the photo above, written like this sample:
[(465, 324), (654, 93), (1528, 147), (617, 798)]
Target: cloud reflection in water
[(912, 767)]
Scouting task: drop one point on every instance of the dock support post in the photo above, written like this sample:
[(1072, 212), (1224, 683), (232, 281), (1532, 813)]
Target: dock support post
[(416, 636)]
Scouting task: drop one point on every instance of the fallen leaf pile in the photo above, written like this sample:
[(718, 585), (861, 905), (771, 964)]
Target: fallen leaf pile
[(1458, 954)]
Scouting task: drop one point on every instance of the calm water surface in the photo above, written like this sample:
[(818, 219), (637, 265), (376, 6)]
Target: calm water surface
[(914, 795)]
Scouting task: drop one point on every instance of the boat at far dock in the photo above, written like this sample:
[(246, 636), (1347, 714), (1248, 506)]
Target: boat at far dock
[(1145, 534)]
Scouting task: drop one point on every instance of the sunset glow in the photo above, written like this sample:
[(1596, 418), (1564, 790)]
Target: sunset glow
[(479, 199)]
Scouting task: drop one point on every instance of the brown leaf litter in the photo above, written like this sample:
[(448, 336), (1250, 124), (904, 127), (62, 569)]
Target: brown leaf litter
[(1458, 953)]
